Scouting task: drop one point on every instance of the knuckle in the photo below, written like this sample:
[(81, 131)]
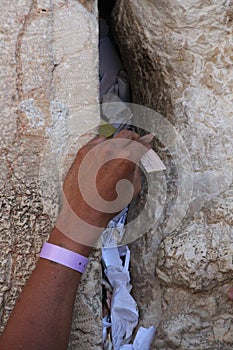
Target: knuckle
[(125, 133), (82, 152), (125, 153), (107, 150)]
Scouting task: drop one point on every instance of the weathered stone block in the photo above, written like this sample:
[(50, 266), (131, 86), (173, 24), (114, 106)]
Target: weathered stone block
[(49, 73), (179, 58)]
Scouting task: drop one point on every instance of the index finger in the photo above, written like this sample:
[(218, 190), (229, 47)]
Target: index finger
[(127, 134), (133, 136)]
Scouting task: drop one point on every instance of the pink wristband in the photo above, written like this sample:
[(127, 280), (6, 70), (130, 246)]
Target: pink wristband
[(64, 257)]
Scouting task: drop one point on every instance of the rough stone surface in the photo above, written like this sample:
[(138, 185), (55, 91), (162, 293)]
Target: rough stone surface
[(179, 58), (49, 75)]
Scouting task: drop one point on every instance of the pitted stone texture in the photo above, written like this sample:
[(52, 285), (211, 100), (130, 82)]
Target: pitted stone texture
[(179, 58), (200, 258), (195, 270), (220, 208), (38, 103), (87, 319), (184, 332), (172, 49), (23, 226), (207, 325)]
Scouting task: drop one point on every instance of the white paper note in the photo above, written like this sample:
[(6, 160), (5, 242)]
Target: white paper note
[(151, 162), (144, 338)]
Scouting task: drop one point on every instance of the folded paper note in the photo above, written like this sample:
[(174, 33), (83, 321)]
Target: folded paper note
[(143, 339), (151, 162), (124, 311)]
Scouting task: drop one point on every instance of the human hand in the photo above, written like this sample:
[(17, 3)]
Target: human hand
[(90, 187)]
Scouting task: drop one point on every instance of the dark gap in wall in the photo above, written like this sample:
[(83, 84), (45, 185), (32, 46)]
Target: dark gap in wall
[(105, 12), (106, 34), (113, 75), (105, 8)]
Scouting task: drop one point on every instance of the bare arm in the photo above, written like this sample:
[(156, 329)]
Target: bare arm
[(42, 315)]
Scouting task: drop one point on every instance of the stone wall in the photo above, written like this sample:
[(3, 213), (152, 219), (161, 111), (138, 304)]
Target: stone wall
[(179, 58), (49, 75)]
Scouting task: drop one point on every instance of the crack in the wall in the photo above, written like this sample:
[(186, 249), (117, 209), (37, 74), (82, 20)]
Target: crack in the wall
[(13, 180), (18, 58), (34, 47)]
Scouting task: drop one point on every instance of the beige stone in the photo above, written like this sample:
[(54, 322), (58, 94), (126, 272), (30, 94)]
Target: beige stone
[(49, 73), (179, 58)]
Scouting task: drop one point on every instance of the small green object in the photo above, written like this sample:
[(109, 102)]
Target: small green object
[(106, 130)]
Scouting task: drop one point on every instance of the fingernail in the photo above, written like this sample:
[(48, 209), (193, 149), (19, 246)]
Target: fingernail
[(147, 138)]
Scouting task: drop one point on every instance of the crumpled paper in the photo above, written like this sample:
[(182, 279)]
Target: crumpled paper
[(143, 339), (123, 317), (124, 311)]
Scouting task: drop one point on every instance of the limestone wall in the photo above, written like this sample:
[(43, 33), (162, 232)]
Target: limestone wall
[(49, 73), (179, 57)]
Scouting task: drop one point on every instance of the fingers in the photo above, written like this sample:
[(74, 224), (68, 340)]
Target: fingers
[(146, 144), (132, 136), (131, 147), (147, 138), (128, 135), (134, 151), (88, 146)]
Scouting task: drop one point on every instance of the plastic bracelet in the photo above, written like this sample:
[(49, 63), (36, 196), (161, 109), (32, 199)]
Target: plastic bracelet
[(64, 257)]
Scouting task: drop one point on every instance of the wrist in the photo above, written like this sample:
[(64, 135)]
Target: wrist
[(58, 238), (87, 214)]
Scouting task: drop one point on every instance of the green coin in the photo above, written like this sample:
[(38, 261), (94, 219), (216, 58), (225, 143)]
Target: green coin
[(106, 130)]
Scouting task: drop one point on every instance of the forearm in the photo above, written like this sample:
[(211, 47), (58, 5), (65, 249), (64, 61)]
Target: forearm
[(42, 316)]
